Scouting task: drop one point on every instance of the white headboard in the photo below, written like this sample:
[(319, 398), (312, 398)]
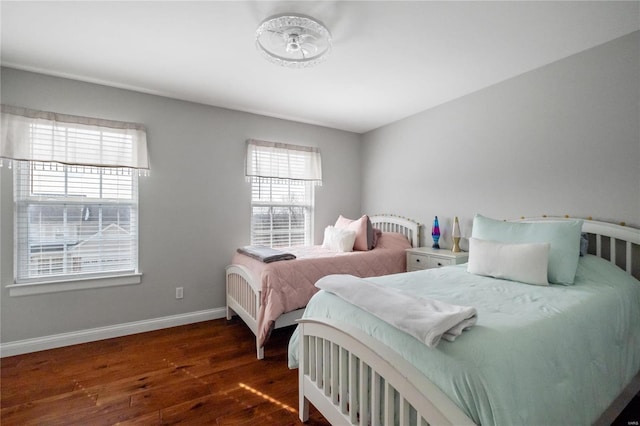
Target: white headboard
[(391, 223)]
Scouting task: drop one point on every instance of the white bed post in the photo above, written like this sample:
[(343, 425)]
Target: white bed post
[(303, 409)]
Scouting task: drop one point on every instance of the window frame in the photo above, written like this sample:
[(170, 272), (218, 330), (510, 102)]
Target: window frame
[(291, 163), (69, 281), (308, 206)]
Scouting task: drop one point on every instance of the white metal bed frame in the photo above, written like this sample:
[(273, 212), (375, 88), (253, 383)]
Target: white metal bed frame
[(244, 291), (352, 378)]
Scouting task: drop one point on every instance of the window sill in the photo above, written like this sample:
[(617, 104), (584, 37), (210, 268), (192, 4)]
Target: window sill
[(70, 285)]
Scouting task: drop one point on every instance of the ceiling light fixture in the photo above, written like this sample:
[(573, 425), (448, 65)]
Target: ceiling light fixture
[(292, 40)]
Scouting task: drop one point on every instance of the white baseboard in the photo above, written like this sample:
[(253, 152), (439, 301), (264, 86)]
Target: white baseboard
[(91, 335)]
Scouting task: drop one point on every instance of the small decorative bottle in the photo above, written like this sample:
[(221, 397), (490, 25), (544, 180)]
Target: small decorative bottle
[(435, 233)]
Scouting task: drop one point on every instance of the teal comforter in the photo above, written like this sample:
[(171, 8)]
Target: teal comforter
[(537, 356)]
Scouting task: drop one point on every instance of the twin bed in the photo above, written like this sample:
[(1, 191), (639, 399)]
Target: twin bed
[(538, 354), (272, 295)]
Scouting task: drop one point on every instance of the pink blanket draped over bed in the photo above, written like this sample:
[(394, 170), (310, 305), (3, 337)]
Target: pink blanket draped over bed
[(289, 284)]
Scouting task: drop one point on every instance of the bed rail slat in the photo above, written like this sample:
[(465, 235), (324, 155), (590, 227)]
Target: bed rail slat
[(404, 411), (376, 397), (612, 250), (363, 410), (389, 394), (335, 370), (344, 380), (326, 379), (312, 358), (352, 390), (319, 364)]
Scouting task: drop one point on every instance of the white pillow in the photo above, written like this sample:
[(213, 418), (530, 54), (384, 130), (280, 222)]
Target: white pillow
[(337, 239), (526, 263)]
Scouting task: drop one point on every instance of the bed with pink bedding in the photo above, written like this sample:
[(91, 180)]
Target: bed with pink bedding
[(272, 295)]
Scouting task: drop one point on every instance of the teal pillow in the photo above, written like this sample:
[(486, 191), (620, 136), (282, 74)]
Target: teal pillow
[(564, 237)]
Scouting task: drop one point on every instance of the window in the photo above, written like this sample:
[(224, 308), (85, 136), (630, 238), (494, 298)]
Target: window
[(75, 196), (74, 221), (281, 212), (282, 180)]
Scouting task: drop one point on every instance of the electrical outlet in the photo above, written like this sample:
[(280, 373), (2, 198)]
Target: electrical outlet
[(179, 292)]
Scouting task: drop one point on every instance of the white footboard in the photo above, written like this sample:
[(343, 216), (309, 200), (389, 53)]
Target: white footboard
[(243, 298), (352, 378)]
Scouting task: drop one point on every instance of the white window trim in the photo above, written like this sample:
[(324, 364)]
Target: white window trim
[(43, 287), (281, 161), (68, 278)]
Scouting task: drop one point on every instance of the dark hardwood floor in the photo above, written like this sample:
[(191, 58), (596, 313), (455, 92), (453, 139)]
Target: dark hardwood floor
[(199, 374), (204, 373)]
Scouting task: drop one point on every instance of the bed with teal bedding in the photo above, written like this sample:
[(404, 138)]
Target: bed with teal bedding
[(557, 354)]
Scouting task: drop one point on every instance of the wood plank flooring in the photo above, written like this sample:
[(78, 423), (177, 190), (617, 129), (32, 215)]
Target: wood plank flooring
[(198, 374), (204, 373)]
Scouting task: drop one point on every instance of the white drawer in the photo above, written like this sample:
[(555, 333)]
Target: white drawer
[(436, 262), (416, 262), (427, 258)]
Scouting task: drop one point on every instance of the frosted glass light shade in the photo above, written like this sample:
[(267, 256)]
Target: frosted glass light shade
[(456, 228), (292, 40), (455, 233)]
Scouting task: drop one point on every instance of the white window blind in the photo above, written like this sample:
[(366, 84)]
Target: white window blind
[(281, 212), (282, 180), (75, 194), (74, 221)]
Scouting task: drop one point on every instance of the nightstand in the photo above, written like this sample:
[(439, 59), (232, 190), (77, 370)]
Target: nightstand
[(426, 258)]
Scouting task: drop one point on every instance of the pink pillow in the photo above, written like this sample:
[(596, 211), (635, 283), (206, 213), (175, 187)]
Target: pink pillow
[(392, 240), (360, 226)]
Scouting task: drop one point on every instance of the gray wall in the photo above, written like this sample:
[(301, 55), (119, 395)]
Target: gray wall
[(194, 208), (560, 140)]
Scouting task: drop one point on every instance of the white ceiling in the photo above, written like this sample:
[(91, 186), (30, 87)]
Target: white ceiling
[(389, 59)]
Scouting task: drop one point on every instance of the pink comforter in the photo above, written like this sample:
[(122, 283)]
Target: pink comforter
[(288, 285)]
